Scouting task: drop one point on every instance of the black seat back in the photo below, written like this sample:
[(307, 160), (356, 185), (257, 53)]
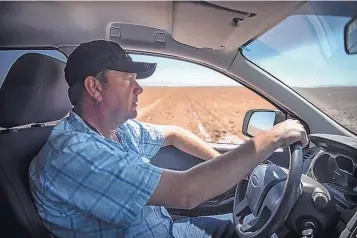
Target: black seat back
[(33, 93), (16, 154)]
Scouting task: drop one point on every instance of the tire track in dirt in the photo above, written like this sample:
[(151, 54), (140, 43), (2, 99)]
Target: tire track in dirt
[(202, 129), (173, 109), (211, 121), (145, 110)]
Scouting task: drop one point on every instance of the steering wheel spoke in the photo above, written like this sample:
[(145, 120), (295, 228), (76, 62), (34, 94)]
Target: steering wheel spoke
[(254, 223), (241, 210), (269, 205), (273, 198)]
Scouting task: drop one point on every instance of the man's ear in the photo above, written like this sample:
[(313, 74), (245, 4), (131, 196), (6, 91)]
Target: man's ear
[(93, 87)]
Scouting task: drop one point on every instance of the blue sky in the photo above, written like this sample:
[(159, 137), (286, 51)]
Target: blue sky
[(171, 72), (306, 51)]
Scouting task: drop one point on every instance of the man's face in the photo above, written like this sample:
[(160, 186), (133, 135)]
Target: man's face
[(120, 95)]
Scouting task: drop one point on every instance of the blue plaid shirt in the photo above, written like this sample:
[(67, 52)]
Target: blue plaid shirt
[(86, 185)]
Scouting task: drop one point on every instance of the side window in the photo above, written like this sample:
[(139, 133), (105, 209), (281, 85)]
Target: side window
[(197, 98), (8, 57)]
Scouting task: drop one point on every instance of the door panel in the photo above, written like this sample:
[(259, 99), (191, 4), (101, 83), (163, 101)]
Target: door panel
[(172, 158)]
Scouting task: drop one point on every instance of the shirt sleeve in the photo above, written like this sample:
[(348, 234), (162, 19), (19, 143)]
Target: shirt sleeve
[(149, 137), (102, 182)]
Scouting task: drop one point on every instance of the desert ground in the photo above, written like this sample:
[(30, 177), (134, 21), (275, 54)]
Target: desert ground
[(340, 103), (215, 114)]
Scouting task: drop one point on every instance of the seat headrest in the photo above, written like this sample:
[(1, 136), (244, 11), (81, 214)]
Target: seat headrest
[(34, 91)]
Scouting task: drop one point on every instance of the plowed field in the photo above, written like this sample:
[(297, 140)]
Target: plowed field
[(213, 113)]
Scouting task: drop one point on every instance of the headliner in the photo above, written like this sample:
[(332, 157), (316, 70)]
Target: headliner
[(204, 31)]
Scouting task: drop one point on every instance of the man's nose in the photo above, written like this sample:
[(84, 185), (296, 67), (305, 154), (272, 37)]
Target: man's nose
[(138, 88)]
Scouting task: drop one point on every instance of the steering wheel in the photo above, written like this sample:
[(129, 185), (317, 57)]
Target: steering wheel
[(268, 198)]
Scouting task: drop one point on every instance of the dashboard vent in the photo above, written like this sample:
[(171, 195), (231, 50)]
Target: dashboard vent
[(341, 189), (309, 155)]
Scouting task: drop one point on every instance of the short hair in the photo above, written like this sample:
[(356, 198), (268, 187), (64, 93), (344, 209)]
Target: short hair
[(75, 92)]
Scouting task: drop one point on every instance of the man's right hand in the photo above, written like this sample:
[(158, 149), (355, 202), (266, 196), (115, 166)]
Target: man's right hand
[(289, 132)]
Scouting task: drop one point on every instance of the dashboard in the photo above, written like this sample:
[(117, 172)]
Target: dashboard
[(332, 161)]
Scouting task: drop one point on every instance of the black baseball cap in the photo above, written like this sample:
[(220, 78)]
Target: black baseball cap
[(90, 58)]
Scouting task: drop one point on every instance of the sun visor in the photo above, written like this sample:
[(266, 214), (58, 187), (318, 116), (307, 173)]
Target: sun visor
[(204, 25)]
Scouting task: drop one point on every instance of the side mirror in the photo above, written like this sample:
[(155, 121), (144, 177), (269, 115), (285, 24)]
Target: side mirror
[(350, 37), (259, 120)]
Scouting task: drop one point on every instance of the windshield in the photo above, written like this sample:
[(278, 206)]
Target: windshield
[(306, 52)]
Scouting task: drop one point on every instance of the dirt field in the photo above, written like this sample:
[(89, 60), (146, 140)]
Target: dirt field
[(338, 102), (213, 113)]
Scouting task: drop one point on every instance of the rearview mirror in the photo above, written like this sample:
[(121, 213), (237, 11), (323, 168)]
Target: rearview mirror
[(259, 120), (350, 37)]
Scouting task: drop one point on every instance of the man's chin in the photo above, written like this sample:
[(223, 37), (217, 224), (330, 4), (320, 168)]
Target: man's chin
[(133, 114)]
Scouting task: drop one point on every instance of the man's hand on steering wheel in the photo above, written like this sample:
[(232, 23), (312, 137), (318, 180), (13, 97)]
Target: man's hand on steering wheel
[(290, 132)]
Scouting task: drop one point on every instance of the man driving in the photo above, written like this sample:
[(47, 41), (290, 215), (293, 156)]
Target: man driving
[(93, 177)]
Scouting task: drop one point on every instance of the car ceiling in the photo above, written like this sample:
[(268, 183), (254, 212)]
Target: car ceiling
[(199, 30)]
